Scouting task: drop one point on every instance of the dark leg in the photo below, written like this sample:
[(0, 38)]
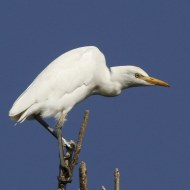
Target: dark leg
[(65, 173), (50, 129), (45, 125), (69, 155)]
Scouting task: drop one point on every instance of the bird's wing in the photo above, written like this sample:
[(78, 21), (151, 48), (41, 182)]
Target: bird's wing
[(65, 74)]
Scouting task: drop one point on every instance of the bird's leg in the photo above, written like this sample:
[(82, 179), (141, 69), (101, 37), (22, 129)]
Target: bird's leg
[(65, 173), (57, 133), (45, 125), (51, 130)]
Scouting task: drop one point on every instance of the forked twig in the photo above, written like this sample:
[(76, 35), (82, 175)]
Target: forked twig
[(71, 156)]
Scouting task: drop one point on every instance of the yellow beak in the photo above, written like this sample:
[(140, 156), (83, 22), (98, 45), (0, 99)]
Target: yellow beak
[(155, 81)]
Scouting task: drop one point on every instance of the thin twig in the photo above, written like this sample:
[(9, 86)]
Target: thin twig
[(83, 176), (117, 179), (79, 141)]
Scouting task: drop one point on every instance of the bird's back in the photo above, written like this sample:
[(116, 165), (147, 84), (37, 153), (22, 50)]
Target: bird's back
[(63, 83)]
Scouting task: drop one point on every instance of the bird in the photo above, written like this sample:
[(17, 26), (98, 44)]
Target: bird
[(73, 77)]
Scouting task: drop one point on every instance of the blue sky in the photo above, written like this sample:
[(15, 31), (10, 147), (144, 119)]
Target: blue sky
[(144, 131)]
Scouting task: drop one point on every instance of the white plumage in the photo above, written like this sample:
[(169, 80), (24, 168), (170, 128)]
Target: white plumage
[(71, 78)]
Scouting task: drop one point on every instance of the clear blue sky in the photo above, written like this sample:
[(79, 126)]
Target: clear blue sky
[(145, 132)]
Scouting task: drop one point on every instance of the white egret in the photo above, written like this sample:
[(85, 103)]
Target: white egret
[(71, 78)]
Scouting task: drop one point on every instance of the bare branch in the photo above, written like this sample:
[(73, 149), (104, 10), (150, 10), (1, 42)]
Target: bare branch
[(70, 158), (79, 141), (117, 179), (83, 176)]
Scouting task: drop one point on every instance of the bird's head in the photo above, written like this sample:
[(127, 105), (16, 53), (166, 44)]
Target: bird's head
[(133, 76)]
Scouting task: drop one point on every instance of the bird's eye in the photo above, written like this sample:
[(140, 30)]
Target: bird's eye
[(137, 75)]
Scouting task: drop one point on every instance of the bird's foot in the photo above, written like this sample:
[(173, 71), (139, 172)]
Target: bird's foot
[(66, 143), (72, 144), (69, 144)]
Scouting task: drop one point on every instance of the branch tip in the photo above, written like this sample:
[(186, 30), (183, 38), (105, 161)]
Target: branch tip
[(83, 176)]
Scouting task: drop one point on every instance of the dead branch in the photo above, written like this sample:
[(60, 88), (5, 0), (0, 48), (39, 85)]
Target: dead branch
[(79, 141), (117, 179), (71, 156), (83, 176), (69, 153)]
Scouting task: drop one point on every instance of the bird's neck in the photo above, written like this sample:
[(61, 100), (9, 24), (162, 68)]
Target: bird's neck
[(114, 83), (119, 75)]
